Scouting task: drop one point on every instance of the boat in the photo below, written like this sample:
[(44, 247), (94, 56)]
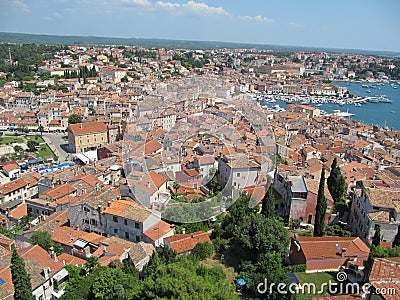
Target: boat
[(365, 85), (368, 91), (393, 111), (357, 104), (339, 113)]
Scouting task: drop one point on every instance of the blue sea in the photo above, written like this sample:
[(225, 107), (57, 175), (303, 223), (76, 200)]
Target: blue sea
[(381, 114)]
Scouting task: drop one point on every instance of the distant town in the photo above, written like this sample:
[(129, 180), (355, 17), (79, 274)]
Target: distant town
[(96, 170)]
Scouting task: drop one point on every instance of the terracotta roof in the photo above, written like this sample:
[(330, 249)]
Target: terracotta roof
[(19, 212), (36, 258), (157, 179), (325, 247), (113, 248), (59, 191), (12, 186), (129, 210), (385, 274), (185, 242), (159, 230), (88, 128), (8, 168), (192, 172), (69, 259), (6, 242), (152, 146)]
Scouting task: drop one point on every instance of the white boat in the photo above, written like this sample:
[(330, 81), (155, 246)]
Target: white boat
[(339, 113)]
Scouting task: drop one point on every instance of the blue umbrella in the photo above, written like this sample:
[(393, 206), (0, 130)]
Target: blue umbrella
[(241, 281)]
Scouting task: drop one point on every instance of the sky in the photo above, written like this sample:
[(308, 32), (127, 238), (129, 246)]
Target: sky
[(349, 24)]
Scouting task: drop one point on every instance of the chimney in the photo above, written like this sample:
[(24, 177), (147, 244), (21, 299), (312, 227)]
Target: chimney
[(8, 211), (108, 203), (80, 125), (77, 227), (148, 184), (99, 209), (183, 230), (97, 186)]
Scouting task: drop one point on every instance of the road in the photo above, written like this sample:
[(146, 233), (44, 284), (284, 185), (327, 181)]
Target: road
[(58, 145)]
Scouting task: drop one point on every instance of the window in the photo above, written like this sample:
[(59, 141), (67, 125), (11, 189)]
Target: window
[(309, 219), (115, 231), (86, 209), (238, 175), (137, 225), (126, 222), (137, 238), (127, 235), (115, 219)]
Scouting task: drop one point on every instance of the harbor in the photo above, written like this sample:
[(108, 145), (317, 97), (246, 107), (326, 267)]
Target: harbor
[(380, 107)]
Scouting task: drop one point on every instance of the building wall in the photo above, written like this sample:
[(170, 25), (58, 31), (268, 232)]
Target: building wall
[(237, 177), (124, 228), (86, 142), (87, 218)]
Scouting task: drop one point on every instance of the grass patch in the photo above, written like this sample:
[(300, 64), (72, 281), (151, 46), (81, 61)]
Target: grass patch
[(44, 150), (8, 140), (35, 138), (318, 279), (230, 273)]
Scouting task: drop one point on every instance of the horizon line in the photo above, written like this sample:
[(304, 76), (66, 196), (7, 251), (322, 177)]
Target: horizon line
[(254, 44)]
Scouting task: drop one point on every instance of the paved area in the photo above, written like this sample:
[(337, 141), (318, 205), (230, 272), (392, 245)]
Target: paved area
[(58, 145)]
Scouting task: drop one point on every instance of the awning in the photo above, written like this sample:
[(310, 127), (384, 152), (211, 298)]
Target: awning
[(80, 244), (82, 158)]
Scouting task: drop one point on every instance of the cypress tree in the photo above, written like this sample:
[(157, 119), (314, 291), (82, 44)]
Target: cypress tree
[(20, 278), (336, 182), (376, 240), (321, 207), (396, 241), (268, 204)]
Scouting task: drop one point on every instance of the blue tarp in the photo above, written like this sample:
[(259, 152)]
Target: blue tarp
[(241, 281)]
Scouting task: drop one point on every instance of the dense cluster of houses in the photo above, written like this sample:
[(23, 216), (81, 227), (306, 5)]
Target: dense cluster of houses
[(128, 146)]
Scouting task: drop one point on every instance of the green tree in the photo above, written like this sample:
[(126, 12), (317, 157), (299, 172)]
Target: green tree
[(268, 204), (41, 129), (267, 268), (43, 239), (336, 182), (92, 263), (20, 278), (203, 250), (74, 119), (18, 148), (321, 207), (336, 230), (376, 240), (32, 145), (212, 184), (396, 241)]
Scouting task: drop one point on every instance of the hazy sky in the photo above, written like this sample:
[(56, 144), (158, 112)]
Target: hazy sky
[(363, 24)]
